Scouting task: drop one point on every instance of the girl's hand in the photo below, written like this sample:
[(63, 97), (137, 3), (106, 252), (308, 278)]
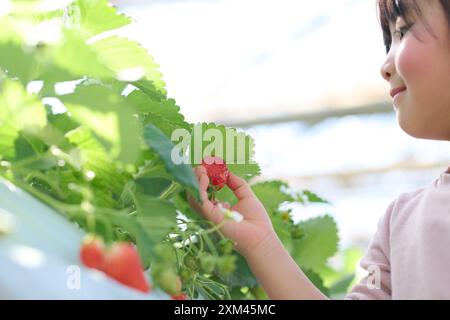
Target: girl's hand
[(253, 231), (256, 240)]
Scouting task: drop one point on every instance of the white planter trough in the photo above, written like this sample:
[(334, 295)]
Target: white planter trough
[(39, 257)]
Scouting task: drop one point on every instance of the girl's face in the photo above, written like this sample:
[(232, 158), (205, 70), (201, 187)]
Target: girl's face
[(419, 62)]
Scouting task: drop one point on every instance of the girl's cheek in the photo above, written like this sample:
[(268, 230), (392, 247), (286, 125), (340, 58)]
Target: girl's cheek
[(413, 61), (408, 62)]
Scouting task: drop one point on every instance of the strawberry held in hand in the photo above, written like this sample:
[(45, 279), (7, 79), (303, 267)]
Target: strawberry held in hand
[(217, 171)]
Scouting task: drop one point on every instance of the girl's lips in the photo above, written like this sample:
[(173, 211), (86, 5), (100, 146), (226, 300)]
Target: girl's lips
[(396, 98), (397, 90)]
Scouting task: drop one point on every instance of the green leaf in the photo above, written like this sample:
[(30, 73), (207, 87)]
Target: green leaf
[(342, 285), (19, 111), (236, 148), (56, 11), (33, 7), (149, 207), (148, 186), (282, 228), (350, 258), (97, 16), (153, 169), (157, 216), (109, 117), (183, 206), (8, 137), (242, 275), (164, 114), (319, 243), (317, 281), (149, 88), (77, 58), (144, 242), (153, 187), (226, 195), (272, 194), (97, 224), (129, 61), (182, 172), (23, 148), (16, 61), (93, 157), (312, 197), (62, 122)]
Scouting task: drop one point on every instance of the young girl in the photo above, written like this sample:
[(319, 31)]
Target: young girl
[(409, 256)]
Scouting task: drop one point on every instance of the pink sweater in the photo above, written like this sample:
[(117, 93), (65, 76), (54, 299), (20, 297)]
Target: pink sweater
[(409, 256)]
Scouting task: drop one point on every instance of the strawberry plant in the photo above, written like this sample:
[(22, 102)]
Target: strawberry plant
[(86, 126)]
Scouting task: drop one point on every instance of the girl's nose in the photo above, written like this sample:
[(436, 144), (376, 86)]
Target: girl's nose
[(387, 68)]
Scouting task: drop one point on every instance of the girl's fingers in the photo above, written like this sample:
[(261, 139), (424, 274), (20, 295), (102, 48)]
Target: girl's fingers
[(203, 183), (211, 210), (226, 205), (207, 209), (197, 173), (239, 186)]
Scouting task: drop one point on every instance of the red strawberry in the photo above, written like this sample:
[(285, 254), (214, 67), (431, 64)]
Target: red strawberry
[(181, 296), (217, 171), (91, 253), (122, 263)]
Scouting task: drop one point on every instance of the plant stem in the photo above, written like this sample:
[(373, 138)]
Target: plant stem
[(173, 186)]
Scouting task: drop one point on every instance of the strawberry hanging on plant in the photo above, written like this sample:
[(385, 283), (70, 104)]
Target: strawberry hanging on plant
[(91, 252), (217, 172), (167, 279), (120, 261), (181, 296)]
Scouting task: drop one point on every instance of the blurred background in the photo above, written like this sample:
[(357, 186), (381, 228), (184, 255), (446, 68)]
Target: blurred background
[(302, 77)]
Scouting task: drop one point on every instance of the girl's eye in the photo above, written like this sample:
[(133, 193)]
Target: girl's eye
[(400, 33), (397, 34)]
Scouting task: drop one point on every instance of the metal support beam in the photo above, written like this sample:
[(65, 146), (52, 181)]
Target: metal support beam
[(315, 117)]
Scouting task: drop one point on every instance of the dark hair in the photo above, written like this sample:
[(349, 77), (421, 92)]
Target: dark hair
[(409, 10)]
